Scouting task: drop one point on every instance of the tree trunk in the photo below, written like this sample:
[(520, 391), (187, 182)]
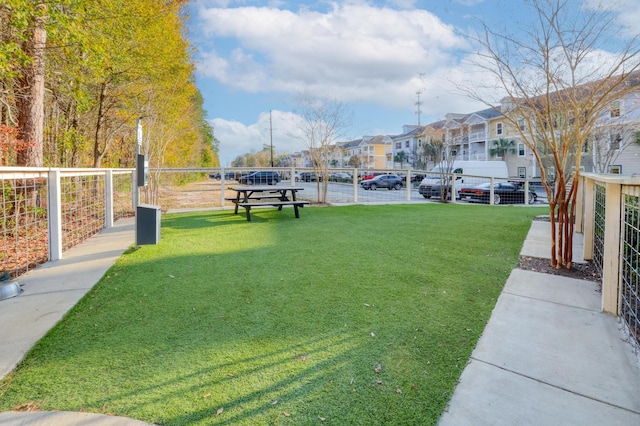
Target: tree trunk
[(30, 99), (97, 154)]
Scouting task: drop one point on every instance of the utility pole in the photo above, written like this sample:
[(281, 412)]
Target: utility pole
[(419, 112), (271, 137)]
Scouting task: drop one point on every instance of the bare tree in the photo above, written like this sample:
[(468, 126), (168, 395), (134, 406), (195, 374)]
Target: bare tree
[(324, 121), (557, 79)]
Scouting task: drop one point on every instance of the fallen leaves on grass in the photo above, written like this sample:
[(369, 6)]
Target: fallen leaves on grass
[(27, 406), (378, 368), (220, 410)]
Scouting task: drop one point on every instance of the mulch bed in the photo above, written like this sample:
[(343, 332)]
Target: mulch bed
[(581, 271)]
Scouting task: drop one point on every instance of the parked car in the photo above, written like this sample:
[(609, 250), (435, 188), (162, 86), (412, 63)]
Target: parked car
[(310, 177), (340, 177), (371, 175), (268, 177), (227, 176), (503, 193), (382, 181), (438, 180)]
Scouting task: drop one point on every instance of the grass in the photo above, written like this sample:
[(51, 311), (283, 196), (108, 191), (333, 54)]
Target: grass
[(282, 320)]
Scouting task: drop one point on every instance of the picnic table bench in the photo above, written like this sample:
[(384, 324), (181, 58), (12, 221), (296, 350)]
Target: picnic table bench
[(249, 197)]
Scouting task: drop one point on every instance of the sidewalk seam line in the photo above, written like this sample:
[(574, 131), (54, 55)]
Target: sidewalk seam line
[(556, 386), (552, 302)]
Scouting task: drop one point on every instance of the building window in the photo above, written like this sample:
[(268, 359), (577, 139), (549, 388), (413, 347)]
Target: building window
[(406, 144), (615, 109), (522, 172), (398, 145), (615, 170), (420, 143), (521, 150), (522, 124), (499, 128)]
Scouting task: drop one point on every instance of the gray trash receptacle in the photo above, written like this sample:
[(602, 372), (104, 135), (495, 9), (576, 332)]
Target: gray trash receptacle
[(147, 224)]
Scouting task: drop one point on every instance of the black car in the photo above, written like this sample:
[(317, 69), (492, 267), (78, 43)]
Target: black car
[(503, 193), (268, 177), (383, 181)]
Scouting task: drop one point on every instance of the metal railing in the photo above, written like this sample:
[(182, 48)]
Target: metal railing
[(44, 211), (609, 216)]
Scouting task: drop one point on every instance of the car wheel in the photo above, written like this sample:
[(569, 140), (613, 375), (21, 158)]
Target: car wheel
[(496, 199), (398, 187), (426, 196), (374, 186), (532, 198)]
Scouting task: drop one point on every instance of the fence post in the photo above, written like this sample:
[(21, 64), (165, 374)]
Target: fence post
[(407, 179), (492, 192), (355, 185), (578, 208), (108, 198), (54, 209), (453, 188), (589, 217), (611, 255), (223, 184), (134, 191)]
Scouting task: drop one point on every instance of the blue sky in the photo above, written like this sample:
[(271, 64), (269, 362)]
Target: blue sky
[(253, 57)]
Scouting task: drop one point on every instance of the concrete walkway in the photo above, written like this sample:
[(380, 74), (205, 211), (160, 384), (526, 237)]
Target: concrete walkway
[(49, 292), (547, 356)]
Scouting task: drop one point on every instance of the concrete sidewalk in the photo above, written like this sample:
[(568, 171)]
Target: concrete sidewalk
[(49, 292), (548, 356)]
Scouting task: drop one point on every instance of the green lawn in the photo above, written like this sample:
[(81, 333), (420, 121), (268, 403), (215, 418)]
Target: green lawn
[(282, 320)]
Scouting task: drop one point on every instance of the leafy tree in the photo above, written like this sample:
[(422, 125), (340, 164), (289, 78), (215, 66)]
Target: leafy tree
[(556, 82), (108, 62), (400, 157), (501, 147)]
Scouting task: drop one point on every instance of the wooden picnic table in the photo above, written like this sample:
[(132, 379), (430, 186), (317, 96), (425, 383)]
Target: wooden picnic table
[(251, 196)]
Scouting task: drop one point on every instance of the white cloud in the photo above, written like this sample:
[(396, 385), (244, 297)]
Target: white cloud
[(355, 52), (236, 138)]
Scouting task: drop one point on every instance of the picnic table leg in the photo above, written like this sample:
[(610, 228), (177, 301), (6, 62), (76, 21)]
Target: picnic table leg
[(235, 211), (248, 209), (295, 207)]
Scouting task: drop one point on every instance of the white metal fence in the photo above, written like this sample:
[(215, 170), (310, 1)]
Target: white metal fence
[(609, 216), (44, 211)]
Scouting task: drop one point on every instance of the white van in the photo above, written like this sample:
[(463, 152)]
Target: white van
[(431, 185)]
